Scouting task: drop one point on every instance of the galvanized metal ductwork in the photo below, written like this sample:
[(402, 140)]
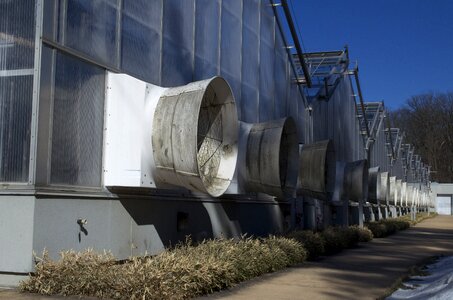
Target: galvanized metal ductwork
[(356, 180), (268, 156), (392, 191), (398, 187), (317, 170), (410, 195), (374, 185), (384, 188), (404, 194), (165, 137)]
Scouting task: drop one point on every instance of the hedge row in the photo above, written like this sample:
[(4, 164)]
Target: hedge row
[(383, 228), (332, 240), (188, 270), (180, 273)]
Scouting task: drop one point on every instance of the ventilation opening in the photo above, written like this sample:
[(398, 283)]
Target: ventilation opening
[(216, 137)]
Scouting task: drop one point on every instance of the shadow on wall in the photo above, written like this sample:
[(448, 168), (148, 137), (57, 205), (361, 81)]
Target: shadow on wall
[(200, 219)]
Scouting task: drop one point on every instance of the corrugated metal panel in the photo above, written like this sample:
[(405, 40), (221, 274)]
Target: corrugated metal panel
[(17, 34), (78, 117)]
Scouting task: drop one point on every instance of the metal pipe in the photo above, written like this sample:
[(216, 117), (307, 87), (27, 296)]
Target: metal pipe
[(362, 105), (291, 60), (300, 53)]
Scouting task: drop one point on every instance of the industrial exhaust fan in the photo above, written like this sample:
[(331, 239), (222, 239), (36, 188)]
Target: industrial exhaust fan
[(165, 137)]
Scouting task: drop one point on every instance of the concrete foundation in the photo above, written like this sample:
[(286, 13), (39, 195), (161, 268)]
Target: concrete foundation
[(125, 226)]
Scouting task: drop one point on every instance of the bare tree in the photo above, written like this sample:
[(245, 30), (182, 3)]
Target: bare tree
[(427, 120)]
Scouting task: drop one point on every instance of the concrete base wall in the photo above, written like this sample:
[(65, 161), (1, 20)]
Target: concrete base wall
[(125, 226), (16, 233)]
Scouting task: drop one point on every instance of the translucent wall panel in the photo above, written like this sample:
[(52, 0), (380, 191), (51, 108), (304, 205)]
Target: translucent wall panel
[(250, 61), (207, 39), (267, 57), (141, 33), (17, 34), (15, 116), (91, 28), (78, 116), (231, 47), (336, 119), (17, 43), (178, 42), (281, 81)]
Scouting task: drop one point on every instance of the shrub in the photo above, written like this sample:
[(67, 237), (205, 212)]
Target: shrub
[(378, 229), (365, 234), (183, 272), (334, 240), (383, 228), (312, 242)]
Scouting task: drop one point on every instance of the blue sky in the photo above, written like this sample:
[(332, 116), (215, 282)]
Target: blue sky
[(403, 47)]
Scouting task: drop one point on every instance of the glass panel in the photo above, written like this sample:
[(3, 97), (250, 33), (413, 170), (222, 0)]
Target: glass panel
[(77, 123), (17, 34), (91, 28), (16, 94)]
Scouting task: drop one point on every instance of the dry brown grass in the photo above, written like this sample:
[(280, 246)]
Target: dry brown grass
[(180, 273), (383, 228)]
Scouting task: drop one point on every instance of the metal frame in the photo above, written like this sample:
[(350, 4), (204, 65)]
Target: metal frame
[(325, 70), (299, 52), (288, 49), (36, 87), (20, 72)]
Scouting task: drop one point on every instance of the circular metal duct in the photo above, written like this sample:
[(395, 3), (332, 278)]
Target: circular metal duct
[(356, 180), (392, 191), (384, 188), (317, 170), (410, 195), (271, 159), (404, 194), (374, 185), (194, 136), (398, 186)]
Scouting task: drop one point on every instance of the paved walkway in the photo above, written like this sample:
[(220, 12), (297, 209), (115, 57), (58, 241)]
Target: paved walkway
[(362, 273), (366, 272)]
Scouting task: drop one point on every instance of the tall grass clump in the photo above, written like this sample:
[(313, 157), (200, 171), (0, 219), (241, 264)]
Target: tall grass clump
[(180, 273)]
